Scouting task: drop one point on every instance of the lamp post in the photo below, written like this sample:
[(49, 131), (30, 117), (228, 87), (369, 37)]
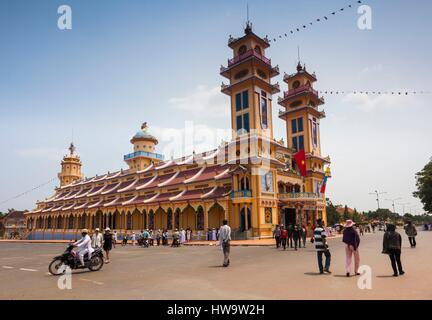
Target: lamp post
[(403, 207), (393, 203), (377, 196)]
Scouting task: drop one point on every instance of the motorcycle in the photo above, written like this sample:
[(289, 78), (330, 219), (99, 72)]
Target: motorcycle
[(70, 258)]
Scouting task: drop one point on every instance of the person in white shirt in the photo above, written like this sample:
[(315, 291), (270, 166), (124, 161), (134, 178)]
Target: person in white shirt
[(225, 239), (84, 246), (133, 238), (97, 239)]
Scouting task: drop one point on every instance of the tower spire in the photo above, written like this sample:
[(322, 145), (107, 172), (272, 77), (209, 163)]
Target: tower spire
[(248, 28)]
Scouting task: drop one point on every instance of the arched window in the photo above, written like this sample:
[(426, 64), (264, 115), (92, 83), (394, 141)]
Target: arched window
[(169, 219), (200, 218), (129, 221), (144, 213), (151, 220), (242, 50), (244, 184), (177, 219), (70, 222), (59, 222), (258, 50)]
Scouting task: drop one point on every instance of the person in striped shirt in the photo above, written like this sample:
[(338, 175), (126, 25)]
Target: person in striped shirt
[(321, 246)]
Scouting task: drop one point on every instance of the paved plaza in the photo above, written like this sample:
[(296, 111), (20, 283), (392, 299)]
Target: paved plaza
[(195, 272)]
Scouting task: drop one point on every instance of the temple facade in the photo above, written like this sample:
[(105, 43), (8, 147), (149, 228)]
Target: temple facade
[(252, 180)]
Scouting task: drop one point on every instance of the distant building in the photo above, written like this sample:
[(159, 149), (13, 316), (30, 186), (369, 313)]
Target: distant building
[(14, 224)]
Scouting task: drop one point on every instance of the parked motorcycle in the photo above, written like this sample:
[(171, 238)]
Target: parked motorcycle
[(70, 258)]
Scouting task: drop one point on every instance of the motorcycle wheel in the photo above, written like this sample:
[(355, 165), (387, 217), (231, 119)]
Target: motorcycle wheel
[(54, 266), (96, 263)]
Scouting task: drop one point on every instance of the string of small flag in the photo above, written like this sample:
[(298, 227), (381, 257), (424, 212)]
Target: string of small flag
[(317, 20), (28, 191), (395, 93)]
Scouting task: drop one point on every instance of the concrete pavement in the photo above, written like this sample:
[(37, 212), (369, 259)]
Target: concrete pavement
[(195, 272)]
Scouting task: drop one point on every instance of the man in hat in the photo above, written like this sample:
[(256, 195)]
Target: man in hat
[(352, 242), (97, 239), (84, 246)]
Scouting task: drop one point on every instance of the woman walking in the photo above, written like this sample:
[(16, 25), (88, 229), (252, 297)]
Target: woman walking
[(352, 241), (411, 232), (392, 244), (107, 243)]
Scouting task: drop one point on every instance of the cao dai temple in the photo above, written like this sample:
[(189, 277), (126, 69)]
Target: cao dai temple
[(252, 180)]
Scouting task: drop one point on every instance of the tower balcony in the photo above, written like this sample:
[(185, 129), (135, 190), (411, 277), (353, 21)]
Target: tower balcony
[(300, 90), (146, 154), (301, 196), (273, 87), (246, 55)]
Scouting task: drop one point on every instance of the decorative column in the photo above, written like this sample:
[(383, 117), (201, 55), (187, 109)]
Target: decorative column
[(206, 215), (246, 217)]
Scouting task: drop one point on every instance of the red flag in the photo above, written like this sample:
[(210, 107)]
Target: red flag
[(300, 159)]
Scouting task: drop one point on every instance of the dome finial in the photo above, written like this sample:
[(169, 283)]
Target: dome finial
[(144, 126), (72, 149)]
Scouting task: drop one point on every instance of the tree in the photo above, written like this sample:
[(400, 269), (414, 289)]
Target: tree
[(356, 216), (333, 216), (346, 214), (424, 186)]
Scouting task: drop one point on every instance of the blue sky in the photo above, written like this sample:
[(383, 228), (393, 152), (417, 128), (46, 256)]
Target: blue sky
[(125, 62)]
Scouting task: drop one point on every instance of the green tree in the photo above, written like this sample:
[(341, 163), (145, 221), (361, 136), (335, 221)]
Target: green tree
[(424, 186), (346, 214), (356, 216), (333, 216)]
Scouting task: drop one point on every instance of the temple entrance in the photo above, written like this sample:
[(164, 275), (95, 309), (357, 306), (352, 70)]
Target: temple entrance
[(243, 226), (289, 216)]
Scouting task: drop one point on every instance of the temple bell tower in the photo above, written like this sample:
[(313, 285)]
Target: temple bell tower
[(70, 167), (302, 117), (250, 89), (144, 147)]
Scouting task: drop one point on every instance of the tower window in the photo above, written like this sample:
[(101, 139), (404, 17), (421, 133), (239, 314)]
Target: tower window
[(300, 124), (294, 125), (264, 113), (242, 50), (298, 143), (242, 100), (258, 49), (243, 122), (296, 84)]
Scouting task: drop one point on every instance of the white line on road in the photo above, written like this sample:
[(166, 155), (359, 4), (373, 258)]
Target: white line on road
[(24, 269), (7, 267), (95, 282)]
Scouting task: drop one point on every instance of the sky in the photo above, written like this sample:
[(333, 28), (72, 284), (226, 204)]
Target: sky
[(126, 62)]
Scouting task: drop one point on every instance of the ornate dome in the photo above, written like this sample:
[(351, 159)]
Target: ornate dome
[(144, 135)]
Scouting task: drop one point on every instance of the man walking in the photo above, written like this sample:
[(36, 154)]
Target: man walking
[(411, 232), (276, 235), (225, 239), (284, 236), (321, 246), (97, 239)]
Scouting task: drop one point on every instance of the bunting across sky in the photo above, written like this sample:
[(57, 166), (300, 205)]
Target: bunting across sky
[(28, 191), (395, 92), (315, 21)]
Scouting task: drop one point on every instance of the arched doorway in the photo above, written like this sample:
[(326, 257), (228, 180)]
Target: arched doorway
[(151, 220), (177, 218), (188, 218), (59, 222), (97, 219), (200, 218), (144, 219), (160, 219), (169, 219), (116, 220), (216, 216), (243, 219), (70, 222), (129, 221)]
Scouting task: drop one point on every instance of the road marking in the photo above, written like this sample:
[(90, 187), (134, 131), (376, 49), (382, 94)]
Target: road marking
[(95, 282), (24, 269), (7, 267)]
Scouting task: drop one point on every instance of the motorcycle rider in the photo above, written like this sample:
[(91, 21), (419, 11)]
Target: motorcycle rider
[(84, 246)]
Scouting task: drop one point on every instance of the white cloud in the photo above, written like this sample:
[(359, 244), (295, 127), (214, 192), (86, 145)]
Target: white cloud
[(369, 103), (373, 69), (42, 153), (179, 142), (203, 102)]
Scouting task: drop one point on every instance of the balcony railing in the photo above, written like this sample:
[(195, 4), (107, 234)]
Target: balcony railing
[(300, 195), (143, 154), (241, 194), (246, 55), (305, 88)]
